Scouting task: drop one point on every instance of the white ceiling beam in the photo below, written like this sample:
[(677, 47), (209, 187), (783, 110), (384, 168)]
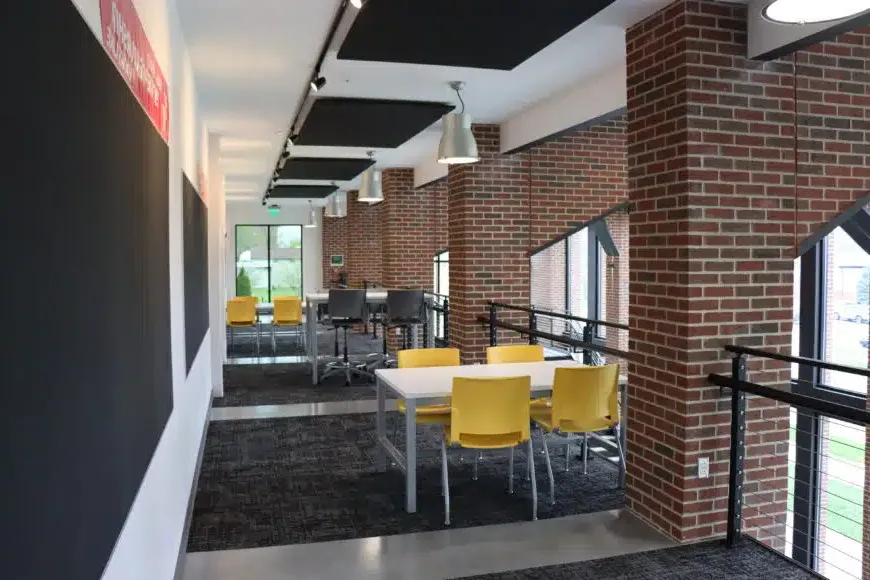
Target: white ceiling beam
[(590, 99)]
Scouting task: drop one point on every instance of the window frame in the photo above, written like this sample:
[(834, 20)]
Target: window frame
[(269, 255)]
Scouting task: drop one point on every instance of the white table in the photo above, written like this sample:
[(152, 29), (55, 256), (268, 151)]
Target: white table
[(420, 386), (311, 302)]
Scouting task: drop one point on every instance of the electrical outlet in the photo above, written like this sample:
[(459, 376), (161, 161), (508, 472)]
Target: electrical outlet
[(703, 467)]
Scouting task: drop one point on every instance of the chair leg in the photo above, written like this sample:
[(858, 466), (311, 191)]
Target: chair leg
[(585, 450), (549, 469), (445, 485), (619, 448), (511, 472), (534, 482), (567, 457), (274, 346), (258, 340), (476, 462)]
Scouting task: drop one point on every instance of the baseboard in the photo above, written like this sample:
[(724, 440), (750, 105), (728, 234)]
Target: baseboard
[(182, 548)]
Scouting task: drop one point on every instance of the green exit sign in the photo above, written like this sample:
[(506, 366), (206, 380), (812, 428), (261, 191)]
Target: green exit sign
[(274, 210)]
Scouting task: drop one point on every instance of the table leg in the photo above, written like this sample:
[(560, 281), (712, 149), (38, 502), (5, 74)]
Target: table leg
[(311, 320), (410, 455), (381, 422), (622, 432)]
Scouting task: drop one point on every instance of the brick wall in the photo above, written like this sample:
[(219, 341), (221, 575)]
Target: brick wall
[(364, 241), (334, 243), (437, 196), (576, 177), (488, 239), (721, 202)]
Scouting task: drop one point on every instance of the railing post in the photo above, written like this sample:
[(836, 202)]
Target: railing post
[(493, 331), (532, 327), (446, 321), (366, 322), (587, 337), (738, 453)]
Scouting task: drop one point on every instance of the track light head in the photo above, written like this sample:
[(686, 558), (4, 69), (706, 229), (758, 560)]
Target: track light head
[(285, 155), (290, 140), (318, 83)]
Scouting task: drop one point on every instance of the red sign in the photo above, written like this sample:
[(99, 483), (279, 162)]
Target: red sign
[(127, 45)]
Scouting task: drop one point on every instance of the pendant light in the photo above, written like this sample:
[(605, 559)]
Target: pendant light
[(336, 207), (312, 216), (457, 142), (812, 11), (370, 190)]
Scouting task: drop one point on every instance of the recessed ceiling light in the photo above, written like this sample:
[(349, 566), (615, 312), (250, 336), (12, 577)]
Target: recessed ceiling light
[(813, 11)]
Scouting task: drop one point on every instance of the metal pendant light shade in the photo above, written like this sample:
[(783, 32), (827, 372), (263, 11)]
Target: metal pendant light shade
[(312, 217), (337, 205), (800, 12), (370, 190), (457, 142)]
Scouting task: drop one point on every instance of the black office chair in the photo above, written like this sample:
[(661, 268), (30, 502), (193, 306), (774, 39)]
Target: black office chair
[(405, 309), (346, 308)]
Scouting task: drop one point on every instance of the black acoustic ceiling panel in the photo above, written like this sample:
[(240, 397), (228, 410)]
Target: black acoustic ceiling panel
[(326, 168), (491, 35), (367, 122), (302, 191)]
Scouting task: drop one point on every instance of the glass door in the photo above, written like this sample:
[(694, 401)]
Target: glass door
[(285, 260), (268, 261)]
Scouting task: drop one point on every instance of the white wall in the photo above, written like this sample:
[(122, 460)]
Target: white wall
[(148, 546), (252, 213), (216, 263)]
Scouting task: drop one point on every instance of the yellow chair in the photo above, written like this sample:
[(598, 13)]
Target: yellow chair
[(428, 357), (518, 353), (514, 353), (242, 313), (585, 400), (287, 311), (489, 414)]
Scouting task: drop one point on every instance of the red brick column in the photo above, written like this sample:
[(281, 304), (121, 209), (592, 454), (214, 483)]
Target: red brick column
[(711, 176), (364, 241), (488, 239), (413, 226), (334, 243)]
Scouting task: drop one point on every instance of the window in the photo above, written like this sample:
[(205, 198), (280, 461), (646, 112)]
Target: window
[(826, 459), (442, 273), (570, 274), (268, 261)]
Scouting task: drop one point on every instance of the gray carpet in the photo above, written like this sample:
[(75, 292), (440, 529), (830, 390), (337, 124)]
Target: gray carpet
[(707, 561), (290, 481)]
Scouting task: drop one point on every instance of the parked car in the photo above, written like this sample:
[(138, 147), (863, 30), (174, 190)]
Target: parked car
[(865, 343), (852, 312)]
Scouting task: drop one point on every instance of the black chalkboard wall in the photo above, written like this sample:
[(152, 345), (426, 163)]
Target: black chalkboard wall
[(86, 374), (195, 269)]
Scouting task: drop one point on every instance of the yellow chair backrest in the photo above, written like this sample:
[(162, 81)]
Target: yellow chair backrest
[(241, 312), (253, 299), (428, 357), (585, 398), (515, 353), (490, 413), (288, 310)]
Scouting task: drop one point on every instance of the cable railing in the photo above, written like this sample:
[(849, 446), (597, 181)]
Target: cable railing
[(438, 306), (591, 351), (796, 461), (585, 340)]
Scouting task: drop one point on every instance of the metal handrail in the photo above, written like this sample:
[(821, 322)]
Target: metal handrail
[(830, 408), (746, 350), (537, 311), (556, 338)]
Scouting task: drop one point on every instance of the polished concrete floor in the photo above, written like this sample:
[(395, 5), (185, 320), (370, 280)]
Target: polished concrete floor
[(437, 555), (297, 410)]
